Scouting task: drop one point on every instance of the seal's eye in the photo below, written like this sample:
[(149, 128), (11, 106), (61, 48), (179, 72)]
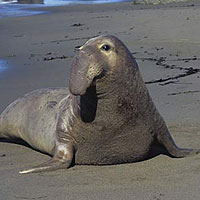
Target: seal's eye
[(105, 47)]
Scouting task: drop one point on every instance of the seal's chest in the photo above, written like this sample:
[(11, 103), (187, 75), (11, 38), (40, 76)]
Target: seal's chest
[(104, 143)]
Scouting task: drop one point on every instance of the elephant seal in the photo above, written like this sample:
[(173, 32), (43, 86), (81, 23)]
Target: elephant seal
[(105, 117)]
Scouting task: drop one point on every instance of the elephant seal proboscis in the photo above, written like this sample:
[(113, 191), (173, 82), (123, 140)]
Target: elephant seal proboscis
[(105, 117)]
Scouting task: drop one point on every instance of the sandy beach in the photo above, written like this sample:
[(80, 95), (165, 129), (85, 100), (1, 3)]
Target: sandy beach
[(165, 41)]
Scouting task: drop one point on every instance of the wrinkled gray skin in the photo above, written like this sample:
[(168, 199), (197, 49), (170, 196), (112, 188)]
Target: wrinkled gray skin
[(107, 117)]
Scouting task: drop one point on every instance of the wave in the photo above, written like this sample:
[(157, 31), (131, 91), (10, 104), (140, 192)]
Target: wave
[(58, 2), (7, 1)]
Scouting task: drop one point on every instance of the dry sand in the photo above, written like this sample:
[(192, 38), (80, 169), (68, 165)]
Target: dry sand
[(165, 41)]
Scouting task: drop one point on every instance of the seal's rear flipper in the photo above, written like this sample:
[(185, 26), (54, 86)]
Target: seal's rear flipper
[(64, 154), (167, 141)]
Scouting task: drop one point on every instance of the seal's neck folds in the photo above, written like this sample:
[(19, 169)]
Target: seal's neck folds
[(114, 96)]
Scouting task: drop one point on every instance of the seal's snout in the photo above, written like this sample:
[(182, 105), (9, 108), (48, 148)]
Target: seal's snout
[(78, 79), (77, 92)]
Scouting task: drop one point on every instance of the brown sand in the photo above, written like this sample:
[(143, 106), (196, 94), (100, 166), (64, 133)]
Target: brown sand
[(164, 39)]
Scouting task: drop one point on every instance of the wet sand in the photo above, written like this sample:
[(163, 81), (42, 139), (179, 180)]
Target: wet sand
[(165, 41)]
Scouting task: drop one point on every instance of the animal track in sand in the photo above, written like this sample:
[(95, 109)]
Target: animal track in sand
[(172, 79)]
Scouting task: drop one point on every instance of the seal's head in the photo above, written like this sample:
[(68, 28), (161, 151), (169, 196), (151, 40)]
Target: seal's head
[(100, 58)]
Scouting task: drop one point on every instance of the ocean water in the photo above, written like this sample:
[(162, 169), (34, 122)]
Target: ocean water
[(12, 8), (3, 66)]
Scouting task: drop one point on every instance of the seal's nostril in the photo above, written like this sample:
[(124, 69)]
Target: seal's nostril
[(77, 47)]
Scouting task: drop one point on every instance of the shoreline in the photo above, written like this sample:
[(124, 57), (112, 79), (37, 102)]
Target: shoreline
[(164, 39), (21, 10)]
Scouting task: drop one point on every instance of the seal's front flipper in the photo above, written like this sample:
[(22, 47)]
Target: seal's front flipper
[(50, 165), (64, 154), (167, 141)]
